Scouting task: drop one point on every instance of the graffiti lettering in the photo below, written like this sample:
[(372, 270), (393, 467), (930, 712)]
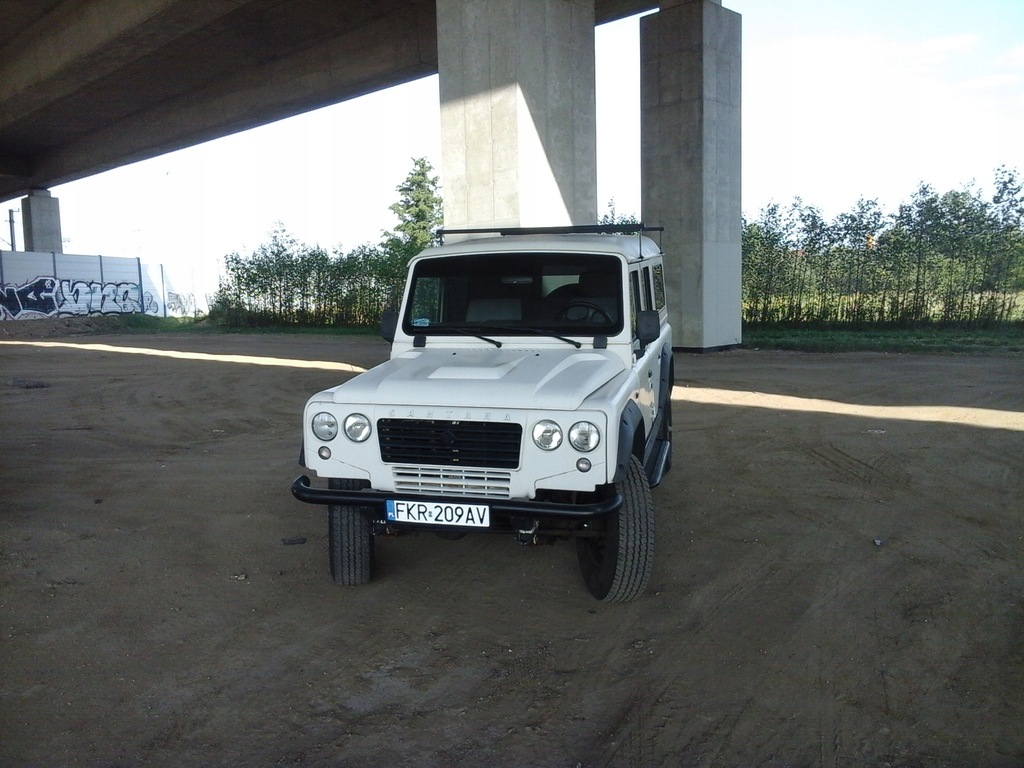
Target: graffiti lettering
[(180, 303), (89, 298), (50, 297), (34, 299)]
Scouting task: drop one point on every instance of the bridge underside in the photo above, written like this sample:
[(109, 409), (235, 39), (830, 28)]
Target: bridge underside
[(85, 87), (90, 86)]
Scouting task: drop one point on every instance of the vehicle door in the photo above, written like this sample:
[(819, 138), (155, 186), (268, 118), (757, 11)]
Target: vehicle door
[(647, 361)]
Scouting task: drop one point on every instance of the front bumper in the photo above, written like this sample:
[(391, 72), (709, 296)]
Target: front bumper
[(302, 490)]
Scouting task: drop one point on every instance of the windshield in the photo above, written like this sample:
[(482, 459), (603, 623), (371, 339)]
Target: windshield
[(557, 293)]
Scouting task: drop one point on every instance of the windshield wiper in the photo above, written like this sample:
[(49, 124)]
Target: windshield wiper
[(465, 332), (503, 328), (536, 332)]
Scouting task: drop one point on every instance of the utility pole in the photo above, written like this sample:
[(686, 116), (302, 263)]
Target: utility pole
[(10, 220)]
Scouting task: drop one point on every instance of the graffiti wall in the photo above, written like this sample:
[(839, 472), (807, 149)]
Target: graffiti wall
[(36, 285), (50, 297)]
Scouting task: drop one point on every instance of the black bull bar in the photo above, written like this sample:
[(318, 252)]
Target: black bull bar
[(303, 490)]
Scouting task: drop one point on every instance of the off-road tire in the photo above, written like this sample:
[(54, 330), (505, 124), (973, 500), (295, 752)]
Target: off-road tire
[(350, 537), (616, 564)]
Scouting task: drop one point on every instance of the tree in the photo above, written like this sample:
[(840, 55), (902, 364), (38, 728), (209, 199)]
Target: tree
[(951, 258), (766, 250), (857, 232), (1006, 276), (611, 216), (419, 210), (286, 282)]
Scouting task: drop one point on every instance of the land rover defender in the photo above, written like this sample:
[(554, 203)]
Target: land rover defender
[(528, 391)]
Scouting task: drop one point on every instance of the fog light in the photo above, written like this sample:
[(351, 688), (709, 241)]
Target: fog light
[(583, 465), (324, 452)]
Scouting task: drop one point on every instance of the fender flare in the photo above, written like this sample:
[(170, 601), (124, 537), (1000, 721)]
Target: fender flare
[(668, 372), (630, 422), (668, 381)]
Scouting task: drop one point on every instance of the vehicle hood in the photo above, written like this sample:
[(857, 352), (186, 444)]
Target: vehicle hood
[(488, 378)]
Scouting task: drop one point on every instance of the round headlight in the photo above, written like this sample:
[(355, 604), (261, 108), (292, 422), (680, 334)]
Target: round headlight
[(547, 435), (325, 426), (357, 427), (584, 436)]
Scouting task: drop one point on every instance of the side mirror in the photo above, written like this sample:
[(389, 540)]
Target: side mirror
[(648, 327), (389, 325)]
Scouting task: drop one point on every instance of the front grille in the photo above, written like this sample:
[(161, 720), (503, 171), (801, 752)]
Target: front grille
[(453, 481), (449, 443)]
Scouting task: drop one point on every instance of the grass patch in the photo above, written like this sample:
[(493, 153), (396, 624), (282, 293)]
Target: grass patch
[(148, 324), (1002, 340), (1007, 339)]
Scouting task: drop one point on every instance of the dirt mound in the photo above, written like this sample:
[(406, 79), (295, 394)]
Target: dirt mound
[(54, 327)]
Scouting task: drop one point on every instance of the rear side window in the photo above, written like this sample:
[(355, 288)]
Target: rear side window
[(648, 301), (659, 286)]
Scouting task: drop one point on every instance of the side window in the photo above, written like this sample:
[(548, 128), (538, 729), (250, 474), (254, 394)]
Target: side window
[(425, 305), (648, 301), (634, 297), (659, 287)]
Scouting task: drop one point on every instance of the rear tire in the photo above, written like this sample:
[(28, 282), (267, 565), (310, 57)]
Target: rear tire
[(350, 537), (616, 565)]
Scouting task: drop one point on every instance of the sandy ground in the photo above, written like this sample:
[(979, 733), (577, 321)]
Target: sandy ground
[(839, 578)]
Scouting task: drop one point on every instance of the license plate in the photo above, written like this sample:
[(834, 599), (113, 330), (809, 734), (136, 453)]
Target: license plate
[(439, 513)]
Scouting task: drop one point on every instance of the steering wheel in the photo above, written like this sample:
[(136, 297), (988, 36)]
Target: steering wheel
[(589, 306)]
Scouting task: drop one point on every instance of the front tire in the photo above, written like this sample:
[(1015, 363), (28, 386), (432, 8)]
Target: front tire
[(350, 539), (616, 564)]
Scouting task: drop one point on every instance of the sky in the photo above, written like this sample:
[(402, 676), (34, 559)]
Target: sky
[(841, 100)]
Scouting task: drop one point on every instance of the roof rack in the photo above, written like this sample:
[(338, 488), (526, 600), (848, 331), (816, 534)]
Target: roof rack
[(581, 229)]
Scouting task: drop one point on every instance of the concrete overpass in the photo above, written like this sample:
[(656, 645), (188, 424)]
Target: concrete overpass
[(89, 86)]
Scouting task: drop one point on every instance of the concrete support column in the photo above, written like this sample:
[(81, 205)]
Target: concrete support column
[(518, 115), (40, 218), (690, 162)]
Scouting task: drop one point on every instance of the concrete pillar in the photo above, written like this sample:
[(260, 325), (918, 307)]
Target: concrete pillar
[(690, 164), (40, 218), (518, 115)]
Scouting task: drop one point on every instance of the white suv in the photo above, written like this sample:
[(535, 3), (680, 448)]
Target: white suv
[(528, 391)]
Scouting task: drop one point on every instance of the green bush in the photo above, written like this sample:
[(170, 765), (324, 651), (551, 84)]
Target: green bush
[(287, 283), (954, 258)]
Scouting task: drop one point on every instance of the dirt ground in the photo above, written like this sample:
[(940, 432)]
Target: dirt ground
[(839, 577)]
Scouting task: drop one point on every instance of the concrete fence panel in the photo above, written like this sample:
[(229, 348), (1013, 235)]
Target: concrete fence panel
[(41, 284)]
